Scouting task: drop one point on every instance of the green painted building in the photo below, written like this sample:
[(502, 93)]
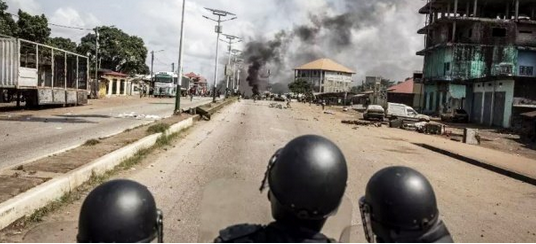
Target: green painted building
[(479, 56)]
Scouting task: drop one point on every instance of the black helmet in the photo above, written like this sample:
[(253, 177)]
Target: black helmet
[(400, 206), (307, 179), (119, 211)]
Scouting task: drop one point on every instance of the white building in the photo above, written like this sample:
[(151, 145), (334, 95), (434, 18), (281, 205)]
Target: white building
[(326, 76)]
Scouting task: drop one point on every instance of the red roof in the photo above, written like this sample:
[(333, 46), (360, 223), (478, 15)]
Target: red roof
[(196, 77), (191, 75), (117, 74), (404, 87)]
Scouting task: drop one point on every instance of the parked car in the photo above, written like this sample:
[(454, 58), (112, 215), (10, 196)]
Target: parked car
[(457, 115), (398, 110), (374, 112)]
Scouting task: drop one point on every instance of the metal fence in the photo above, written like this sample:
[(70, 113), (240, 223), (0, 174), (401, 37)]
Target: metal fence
[(26, 65)]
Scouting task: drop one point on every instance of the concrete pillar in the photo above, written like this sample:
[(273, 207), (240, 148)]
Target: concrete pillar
[(507, 16), (467, 9), (454, 24), (448, 9), (125, 87), (517, 10), (117, 87), (109, 87), (475, 8)]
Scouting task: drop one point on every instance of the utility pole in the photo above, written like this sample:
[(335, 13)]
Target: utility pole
[(96, 83), (172, 67), (230, 43), (152, 66), (220, 14), (180, 63)]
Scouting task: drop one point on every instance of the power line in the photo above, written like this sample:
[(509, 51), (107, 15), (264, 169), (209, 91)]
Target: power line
[(61, 26)]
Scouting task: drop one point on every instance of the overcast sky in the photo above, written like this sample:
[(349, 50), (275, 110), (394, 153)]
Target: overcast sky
[(385, 48)]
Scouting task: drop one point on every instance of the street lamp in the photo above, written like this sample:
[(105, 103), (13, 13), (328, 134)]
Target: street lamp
[(220, 14), (231, 40), (180, 67), (236, 69)]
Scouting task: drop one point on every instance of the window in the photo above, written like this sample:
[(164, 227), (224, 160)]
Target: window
[(526, 70), (498, 32), (446, 68)]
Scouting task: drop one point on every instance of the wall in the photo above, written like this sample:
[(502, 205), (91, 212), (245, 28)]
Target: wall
[(526, 34), (506, 86), (337, 82), (418, 91), (430, 104), (468, 61)]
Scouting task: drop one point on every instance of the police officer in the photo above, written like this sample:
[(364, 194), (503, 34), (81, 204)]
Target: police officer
[(306, 180), (120, 211), (400, 206)]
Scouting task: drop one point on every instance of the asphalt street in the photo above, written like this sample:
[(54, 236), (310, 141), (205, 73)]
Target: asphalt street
[(29, 135), (476, 204)]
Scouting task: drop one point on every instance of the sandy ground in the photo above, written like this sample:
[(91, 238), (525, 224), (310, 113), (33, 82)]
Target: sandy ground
[(26, 135), (476, 204)]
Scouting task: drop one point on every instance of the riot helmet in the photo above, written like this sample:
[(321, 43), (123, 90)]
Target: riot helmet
[(400, 206), (307, 179), (120, 211)]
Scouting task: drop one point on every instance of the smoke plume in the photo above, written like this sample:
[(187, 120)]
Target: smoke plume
[(326, 35)]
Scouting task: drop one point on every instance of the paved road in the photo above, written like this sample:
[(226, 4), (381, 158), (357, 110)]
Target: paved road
[(477, 205), (32, 134)]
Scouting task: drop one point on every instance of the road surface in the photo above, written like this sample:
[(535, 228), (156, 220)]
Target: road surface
[(476, 204), (28, 135)]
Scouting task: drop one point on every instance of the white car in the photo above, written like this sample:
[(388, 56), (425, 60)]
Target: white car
[(397, 110)]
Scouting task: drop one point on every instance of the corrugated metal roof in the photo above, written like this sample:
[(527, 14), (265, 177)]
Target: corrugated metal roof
[(325, 64)]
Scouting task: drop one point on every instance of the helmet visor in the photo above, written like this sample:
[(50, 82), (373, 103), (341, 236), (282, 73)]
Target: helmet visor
[(364, 209)]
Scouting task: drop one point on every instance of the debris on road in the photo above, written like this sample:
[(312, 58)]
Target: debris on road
[(362, 122), (329, 112), (138, 116), (277, 105)]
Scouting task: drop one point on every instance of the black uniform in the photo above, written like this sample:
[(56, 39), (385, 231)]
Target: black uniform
[(272, 233), (299, 205)]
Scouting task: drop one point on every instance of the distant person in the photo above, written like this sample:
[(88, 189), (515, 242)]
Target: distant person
[(323, 103), (191, 96)]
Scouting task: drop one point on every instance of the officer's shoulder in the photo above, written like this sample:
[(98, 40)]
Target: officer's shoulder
[(236, 232)]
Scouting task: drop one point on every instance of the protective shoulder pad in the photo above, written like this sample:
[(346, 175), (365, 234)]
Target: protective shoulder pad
[(235, 232)]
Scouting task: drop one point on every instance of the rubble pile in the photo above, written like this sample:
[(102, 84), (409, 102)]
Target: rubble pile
[(362, 123), (277, 105)]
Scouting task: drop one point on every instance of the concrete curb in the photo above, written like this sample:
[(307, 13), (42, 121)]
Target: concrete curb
[(38, 197), (529, 179)]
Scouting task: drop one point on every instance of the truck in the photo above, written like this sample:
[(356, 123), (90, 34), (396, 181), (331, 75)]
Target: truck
[(402, 111), (41, 75)]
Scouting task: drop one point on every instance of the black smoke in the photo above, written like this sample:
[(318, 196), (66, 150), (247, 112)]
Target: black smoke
[(325, 36)]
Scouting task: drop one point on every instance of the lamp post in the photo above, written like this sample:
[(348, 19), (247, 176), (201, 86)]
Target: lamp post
[(236, 61), (220, 14), (231, 40), (180, 67)]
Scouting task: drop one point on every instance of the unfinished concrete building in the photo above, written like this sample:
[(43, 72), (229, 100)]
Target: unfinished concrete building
[(480, 55)]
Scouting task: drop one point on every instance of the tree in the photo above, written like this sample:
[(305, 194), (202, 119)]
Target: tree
[(33, 28), (117, 50), (8, 26), (300, 86), (62, 43)]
